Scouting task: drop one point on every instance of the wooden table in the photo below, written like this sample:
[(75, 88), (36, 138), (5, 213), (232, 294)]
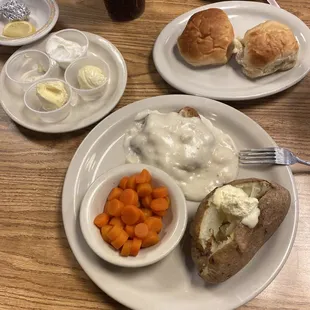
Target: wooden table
[(37, 267)]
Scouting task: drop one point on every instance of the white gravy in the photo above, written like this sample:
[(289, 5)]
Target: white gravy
[(196, 154)]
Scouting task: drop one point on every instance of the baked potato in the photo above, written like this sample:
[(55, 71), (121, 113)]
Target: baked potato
[(221, 249)]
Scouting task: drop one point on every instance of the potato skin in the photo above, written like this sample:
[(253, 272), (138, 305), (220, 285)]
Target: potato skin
[(227, 261)]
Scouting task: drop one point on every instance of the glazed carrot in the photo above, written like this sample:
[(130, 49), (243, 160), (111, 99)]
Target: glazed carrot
[(105, 209), (160, 213), (144, 189), (147, 212), (120, 240), (135, 247), (139, 204), (159, 204), (141, 230), (146, 201), (143, 177), (123, 182), (131, 183), (115, 207), (142, 217), (151, 239), (129, 197), (114, 232), (101, 220), (104, 232), (116, 221), (130, 214), (154, 223), (160, 192), (130, 230), (115, 193), (126, 248)]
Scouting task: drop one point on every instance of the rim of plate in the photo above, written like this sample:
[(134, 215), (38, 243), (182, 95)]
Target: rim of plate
[(95, 134), (169, 78), (99, 115), (41, 32)]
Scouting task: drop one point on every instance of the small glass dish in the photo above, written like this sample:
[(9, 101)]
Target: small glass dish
[(74, 36), (26, 67), (71, 77), (36, 104)]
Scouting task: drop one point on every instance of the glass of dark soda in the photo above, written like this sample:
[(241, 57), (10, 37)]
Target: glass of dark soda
[(125, 10)]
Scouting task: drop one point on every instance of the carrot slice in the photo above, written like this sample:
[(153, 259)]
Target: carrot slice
[(116, 221), (131, 182), (146, 201), (104, 232), (160, 213), (114, 232), (154, 223), (115, 207), (123, 182), (126, 249), (159, 204), (168, 200), (135, 247), (120, 240), (142, 217), (143, 177), (141, 230), (160, 192), (151, 239), (129, 197), (144, 189), (130, 230), (130, 214), (101, 220), (147, 212), (105, 208), (115, 193), (139, 204)]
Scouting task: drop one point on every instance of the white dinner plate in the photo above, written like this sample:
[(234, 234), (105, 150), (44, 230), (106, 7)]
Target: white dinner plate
[(84, 113), (173, 283), (228, 82), (44, 15)]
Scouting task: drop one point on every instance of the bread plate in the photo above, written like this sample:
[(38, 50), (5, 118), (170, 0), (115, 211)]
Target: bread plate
[(83, 114), (227, 82), (174, 282)]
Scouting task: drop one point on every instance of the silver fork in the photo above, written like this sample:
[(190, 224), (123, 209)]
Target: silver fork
[(270, 155)]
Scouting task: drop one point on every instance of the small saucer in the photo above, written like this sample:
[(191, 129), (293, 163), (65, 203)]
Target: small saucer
[(44, 15), (83, 113)]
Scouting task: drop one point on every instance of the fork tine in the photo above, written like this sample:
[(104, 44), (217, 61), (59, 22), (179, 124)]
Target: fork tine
[(256, 162), (268, 149), (257, 154), (246, 158)]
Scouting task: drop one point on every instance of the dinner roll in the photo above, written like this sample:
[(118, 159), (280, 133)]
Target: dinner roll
[(207, 38), (267, 48)]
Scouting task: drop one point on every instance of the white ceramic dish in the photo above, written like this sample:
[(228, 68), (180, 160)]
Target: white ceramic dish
[(44, 15), (173, 283), (228, 82), (174, 222), (83, 114)]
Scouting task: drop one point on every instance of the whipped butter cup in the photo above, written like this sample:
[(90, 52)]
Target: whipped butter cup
[(26, 67), (71, 77), (72, 35), (35, 104)]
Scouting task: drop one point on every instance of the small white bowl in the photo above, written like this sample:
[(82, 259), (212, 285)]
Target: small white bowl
[(24, 64), (44, 15), (73, 35), (174, 222), (36, 106), (72, 73)]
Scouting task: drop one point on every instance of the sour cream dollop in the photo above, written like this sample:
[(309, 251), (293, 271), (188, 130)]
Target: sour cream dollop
[(62, 50), (196, 154)]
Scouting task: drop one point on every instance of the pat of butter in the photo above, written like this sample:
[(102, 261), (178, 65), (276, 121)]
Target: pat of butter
[(90, 77), (54, 93)]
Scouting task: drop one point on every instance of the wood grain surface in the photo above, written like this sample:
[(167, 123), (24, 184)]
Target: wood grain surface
[(37, 267)]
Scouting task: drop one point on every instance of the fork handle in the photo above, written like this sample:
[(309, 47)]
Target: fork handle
[(301, 161)]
